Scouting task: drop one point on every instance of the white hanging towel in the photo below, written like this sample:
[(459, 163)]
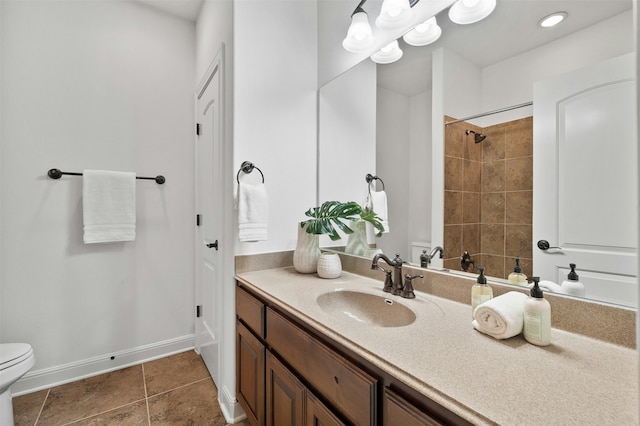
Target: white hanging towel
[(108, 206), (377, 201), (253, 208)]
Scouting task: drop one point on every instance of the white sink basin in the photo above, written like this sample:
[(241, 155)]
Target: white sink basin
[(366, 308)]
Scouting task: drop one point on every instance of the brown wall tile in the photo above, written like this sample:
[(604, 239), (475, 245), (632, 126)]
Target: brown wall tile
[(472, 176), (492, 207), (519, 174), (519, 207), (453, 173), (452, 207), (493, 176)]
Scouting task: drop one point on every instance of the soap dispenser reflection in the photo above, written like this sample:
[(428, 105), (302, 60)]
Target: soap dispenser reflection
[(517, 277), (572, 285)]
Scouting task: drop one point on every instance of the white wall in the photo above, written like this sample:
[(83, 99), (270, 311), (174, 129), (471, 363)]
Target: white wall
[(346, 137), (104, 85), (275, 74), (510, 82), (419, 163), (392, 165)]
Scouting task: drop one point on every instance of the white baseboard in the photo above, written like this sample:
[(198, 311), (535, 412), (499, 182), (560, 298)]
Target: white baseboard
[(230, 407), (58, 375)]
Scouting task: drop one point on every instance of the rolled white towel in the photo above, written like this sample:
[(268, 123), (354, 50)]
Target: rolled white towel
[(501, 317)]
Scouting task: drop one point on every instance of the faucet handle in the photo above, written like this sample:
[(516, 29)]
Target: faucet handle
[(388, 281), (407, 290)]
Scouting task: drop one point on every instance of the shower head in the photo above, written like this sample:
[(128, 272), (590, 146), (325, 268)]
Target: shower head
[(478, 137)]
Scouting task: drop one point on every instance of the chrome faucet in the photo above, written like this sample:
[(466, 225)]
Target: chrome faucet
[(396, 263)]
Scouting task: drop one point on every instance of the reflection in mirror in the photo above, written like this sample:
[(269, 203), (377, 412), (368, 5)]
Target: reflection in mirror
[(470, 70)]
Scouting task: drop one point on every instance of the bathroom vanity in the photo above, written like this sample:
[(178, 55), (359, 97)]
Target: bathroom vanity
[(341, 351)]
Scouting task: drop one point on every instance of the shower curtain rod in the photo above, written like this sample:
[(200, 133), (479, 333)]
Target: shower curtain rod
[(484, 114)]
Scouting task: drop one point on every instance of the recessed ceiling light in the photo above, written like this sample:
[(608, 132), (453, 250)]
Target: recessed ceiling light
[(553, 19)]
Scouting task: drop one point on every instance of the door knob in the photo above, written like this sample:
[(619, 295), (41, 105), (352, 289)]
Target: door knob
[(544, 245), (213, 245)]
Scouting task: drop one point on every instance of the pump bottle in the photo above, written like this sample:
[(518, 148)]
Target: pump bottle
[(537, 316), (572, 286), (480, 292), (517, 277)]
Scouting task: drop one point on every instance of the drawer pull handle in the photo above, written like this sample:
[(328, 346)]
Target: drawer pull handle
[(336, 379)]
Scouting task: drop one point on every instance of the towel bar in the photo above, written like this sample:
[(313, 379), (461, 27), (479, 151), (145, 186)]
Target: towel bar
[(57, 174)]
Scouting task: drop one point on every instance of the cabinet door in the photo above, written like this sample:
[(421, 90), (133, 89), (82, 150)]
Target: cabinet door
[(318, 414), (348, 389), (285, 395), (250, 374), (400, 412)]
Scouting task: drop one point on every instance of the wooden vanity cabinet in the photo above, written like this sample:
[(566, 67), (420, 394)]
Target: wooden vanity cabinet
[(287, 375)]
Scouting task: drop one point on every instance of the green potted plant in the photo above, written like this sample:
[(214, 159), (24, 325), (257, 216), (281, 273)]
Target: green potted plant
[(328, 219), (332, 214)]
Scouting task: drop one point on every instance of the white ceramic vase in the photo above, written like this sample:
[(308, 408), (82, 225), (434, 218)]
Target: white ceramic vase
[(329, 265), (307, 252), (357, 243)]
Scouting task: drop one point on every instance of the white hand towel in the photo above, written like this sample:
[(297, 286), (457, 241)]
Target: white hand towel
[(108, 206), (501, 317), (379, 205), (253, 211)]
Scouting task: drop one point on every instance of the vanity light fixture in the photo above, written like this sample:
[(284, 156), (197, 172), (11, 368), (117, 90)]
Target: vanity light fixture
[(388, 54), (394, 14), (359, 36), (424, 34), (470, 11), (553, 19)]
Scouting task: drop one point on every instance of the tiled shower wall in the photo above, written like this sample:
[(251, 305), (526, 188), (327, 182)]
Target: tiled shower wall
[(488, 196)]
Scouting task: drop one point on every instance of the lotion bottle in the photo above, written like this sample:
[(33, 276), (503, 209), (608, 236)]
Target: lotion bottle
[(517, 277), (537, 316), (572, 286), (480, 292)]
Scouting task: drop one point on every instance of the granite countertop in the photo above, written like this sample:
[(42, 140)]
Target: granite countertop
[(574, 381)]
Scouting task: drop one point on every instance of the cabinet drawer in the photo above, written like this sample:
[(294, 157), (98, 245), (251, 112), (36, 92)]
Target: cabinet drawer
[(349, 389), (250, 311), (399, 411)]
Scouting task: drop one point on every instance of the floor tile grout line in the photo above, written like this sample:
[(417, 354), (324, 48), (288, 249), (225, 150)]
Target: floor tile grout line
[(181, 386), (102, 412), (146, 395), (42, 407)]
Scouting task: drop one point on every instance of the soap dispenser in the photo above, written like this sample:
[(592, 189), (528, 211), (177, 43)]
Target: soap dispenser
[(572, 286), (537, 316), (480, 292), (517, 277)]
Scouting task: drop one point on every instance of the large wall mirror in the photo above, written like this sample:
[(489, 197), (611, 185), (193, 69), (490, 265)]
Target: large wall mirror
[(392, 117)]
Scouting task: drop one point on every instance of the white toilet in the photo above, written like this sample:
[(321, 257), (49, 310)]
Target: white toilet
[(15, 360)]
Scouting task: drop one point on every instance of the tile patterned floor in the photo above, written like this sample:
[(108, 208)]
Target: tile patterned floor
[(176, 390)]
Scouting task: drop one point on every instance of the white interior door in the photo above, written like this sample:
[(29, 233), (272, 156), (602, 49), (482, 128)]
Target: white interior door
[(585, 184), (209, 220)]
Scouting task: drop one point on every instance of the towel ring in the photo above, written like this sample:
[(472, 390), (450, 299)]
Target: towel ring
[(370, 178), (248, 167)]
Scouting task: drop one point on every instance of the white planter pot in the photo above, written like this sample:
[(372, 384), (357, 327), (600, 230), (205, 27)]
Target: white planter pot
[(329, 265), (307, 252)]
